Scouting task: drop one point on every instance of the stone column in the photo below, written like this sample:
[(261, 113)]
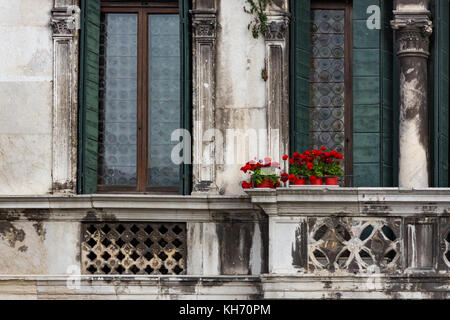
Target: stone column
[(204, 22), (413, 29), (65, 23), (277, 85)]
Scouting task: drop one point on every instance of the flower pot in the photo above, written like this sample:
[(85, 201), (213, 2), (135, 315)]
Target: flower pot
[(299, 182), (266, 183), (316, 182), (331, 181)]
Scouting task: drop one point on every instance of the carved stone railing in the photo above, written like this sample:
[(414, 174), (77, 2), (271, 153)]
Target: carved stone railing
[(353, 230), (356, 243), (319, 243)]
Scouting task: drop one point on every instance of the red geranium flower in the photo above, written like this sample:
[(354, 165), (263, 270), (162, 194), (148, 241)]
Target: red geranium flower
[(323, 148), (285, 157), (310, 166), (246, 185), (291, 178), (291, 161)]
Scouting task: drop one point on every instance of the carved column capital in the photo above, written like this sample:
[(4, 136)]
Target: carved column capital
[(61, 26), (277, 27), (65, 21), (413, 33), (204, 24)]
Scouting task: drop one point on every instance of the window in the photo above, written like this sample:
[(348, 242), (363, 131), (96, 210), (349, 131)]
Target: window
[(341, 87), (134, 94), (330, 79)]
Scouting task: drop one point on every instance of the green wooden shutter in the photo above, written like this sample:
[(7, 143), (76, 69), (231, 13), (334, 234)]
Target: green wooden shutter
[(387, 102), (372, 97), (441, 93), (185, 47), (88, 98), (300, 68)]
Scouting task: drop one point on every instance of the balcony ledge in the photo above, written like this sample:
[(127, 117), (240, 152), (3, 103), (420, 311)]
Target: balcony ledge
[(265, 286), (126, 207), (352, 201)]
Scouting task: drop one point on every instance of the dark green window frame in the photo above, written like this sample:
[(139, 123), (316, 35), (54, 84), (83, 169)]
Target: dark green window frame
[(88, 94)]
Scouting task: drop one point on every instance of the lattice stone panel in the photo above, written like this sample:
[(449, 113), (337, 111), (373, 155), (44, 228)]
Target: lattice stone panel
[(354, 244), (445, 241), (133, 248)]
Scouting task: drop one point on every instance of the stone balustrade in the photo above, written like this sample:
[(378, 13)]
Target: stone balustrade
[(368, 240), (298, 242)]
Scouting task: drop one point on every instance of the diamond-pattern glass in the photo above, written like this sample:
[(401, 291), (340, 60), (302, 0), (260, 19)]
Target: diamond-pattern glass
[(118, 100), (327, 79), (164, 98)]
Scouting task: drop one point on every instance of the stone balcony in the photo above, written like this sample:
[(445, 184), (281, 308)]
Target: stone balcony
[(356, 242), (302, 242)]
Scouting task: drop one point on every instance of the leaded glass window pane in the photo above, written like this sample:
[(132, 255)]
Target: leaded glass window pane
[(164, 98), (327, 79), (118, 100)]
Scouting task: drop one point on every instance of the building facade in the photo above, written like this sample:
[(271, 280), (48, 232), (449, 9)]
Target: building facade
[(125, 123)]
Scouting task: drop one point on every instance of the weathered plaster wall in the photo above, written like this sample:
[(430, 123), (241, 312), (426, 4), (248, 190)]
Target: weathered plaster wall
[(36, 247), (26, 72), (240, 93), (231, 244)]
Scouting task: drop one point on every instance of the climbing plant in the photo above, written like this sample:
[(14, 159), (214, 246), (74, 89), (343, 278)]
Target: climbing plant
[(257, 9)]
